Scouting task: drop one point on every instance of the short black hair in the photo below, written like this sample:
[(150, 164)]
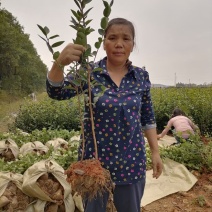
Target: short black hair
[(177, 112), (120, 21)]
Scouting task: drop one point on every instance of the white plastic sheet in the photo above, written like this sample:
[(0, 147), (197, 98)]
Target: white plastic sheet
[(175, 178)]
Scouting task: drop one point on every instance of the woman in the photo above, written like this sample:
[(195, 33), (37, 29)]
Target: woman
[(183, 126), (121, 114)]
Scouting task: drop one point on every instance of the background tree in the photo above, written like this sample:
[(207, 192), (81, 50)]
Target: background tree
[(21, 69)]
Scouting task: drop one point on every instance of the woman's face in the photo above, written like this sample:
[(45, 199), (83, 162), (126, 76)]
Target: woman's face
[(118, 44)]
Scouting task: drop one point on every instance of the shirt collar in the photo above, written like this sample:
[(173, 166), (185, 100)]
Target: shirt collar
[(102, 64)]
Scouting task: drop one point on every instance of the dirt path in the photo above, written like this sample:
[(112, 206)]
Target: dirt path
[(6, 121)]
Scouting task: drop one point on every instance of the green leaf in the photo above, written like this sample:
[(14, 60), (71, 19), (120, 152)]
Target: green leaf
[(104, 22), (94, 53), (42, 29), (87, 55), (76, 82), (97, 45), (74, 21), (88, 51), (88, 22), (101, 32), (97, 69), (106, 3), (81, 35), (54, 36), (111, 3), (103, 88), (73, 26), (46, 30), (87, 1), (83, 4), (42, 38), (56, 55), (100, 39), (57, 44), (80, 15), (95, 99), (81, 29), (107, 11), (77, 3), (78, 40), (86, 13), (50, 48), (89, 30), (69, 87), (83, 75), (75, 14)]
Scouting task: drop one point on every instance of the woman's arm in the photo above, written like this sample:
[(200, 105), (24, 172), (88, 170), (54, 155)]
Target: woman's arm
[(70, 53), (147, 112), (193, 126), (157, 164), (165, 131), (149, 126), (55, 82)]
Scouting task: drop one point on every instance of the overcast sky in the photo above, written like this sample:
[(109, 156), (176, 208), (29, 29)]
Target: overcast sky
[(173, 37)]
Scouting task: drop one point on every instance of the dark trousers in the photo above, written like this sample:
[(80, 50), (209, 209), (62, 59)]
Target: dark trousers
[(127, 198)]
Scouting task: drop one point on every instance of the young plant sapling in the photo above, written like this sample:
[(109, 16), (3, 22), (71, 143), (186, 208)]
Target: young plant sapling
[(87, 177)]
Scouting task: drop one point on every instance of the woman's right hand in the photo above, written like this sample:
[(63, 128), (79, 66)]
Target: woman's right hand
[(159, 137), (72, 52)]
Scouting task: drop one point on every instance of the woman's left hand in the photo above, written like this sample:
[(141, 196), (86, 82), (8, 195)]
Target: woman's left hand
[(157, 165), (159, 136)]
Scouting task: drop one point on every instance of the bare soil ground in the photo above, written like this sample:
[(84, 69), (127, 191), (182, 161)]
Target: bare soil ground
[(197, 199)]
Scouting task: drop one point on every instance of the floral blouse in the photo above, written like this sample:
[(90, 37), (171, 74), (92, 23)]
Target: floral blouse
[(120, 116)]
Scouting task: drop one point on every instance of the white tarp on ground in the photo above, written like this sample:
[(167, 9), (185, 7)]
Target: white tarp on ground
[(175, 177), (166, 141)]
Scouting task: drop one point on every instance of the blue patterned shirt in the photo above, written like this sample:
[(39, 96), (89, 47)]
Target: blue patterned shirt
[(120, 115)]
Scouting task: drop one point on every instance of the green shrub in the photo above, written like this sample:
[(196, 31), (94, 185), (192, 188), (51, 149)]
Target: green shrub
[(207, 156), (195, 102), (49, 114), (187, 153), (53, 114), (195, 155)]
